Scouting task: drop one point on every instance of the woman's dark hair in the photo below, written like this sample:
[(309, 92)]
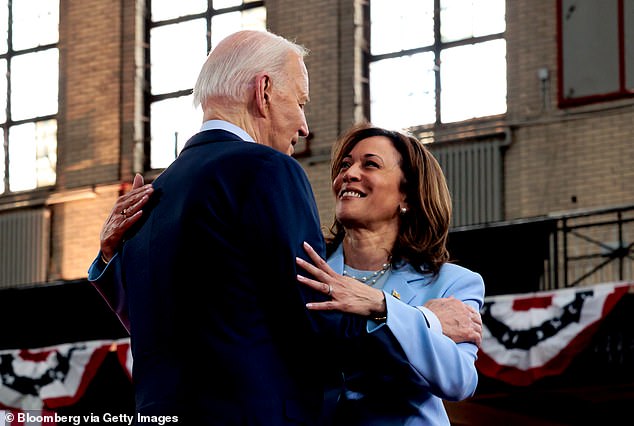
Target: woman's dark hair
[(423, 229)]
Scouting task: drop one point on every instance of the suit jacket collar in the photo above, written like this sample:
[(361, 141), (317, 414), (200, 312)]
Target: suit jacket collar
[(209, 136), (402, 283)]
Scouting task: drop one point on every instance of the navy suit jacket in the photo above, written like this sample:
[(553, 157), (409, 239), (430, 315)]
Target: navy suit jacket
[(232, 344)]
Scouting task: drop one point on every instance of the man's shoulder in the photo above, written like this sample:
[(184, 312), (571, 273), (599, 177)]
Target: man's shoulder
[(226, 153), (267, 157), (240, 146)]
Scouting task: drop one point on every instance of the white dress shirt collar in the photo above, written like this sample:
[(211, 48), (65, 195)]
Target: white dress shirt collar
[(225, 125)]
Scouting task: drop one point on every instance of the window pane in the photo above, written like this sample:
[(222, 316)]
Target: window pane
[(460, 19), (227, 23), (32, 155), (4, 28), (400, 25), (402, 91), (177, 53), (590, 52), (3, 90), (221, 4), (35, 23), (169, 9), (173, 122), (473, 80), (34, 84)]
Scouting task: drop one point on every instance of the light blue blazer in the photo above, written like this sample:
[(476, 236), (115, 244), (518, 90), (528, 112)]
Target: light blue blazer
[(437, 367)]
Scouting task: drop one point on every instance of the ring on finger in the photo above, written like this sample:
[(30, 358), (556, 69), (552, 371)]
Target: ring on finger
[(329, 290), (124, 212)]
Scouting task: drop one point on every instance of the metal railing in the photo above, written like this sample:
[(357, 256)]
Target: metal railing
[(592, 246), (579, 248)]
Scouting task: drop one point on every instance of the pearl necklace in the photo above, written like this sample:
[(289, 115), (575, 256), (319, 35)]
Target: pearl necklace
[(373, 277)]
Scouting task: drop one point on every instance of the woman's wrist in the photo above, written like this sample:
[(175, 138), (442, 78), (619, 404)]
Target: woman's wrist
[(379, 313)]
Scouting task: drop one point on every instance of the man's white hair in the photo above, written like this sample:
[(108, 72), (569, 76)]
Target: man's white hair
[(233, 64)]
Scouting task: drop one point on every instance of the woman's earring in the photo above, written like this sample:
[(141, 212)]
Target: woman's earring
[(403, 210)]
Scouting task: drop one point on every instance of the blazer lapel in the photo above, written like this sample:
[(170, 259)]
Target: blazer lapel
[(335, 261), (398, 285)]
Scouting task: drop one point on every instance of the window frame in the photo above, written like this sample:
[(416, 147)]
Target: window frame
[(436, 48), (621, 93), (148, 97), (9, 55)]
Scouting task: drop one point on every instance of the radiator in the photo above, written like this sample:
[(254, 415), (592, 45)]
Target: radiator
[(474, 175), (24, 247)]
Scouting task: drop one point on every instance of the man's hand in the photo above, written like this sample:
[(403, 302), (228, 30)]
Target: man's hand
[(460, 322), (126, 211)]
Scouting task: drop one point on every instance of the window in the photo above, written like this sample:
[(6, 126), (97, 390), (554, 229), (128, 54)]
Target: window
[(596, 50), (29, 81), (436, 61), (181, 34)]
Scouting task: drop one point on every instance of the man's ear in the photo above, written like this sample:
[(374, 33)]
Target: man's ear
[(263, 93)]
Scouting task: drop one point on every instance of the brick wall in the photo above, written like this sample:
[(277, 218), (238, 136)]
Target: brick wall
[(97, 108), (557, 160), (90, 59)]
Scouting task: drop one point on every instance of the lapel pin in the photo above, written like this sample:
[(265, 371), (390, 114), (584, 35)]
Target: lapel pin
[(395, 294)]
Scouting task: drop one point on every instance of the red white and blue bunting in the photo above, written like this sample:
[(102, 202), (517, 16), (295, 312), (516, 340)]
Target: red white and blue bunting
[(51, 377), (530, 336), (525, 337)]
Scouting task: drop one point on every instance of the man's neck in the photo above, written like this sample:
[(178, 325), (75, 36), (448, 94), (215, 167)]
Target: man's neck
[(236, 115)]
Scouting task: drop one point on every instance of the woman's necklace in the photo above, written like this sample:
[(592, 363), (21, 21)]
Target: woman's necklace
[(372, 278)]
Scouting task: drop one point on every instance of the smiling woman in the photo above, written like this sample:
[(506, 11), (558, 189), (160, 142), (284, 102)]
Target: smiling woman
[(387, 260), (369, 179), (388, 183)]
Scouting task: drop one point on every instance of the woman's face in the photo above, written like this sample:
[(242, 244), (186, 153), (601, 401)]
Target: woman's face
[(367, 187)]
